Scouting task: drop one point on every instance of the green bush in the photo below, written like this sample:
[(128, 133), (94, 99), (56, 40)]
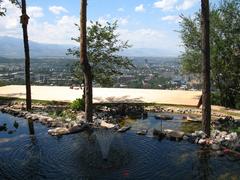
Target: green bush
[(77, 105), (215, 98)]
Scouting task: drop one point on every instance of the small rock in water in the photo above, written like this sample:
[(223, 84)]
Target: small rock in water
[(11, 131), (158, 133), (58, 131), (142, 132), (185, 137), (124, 128), (175, 135), (220, 153), (163, 117)]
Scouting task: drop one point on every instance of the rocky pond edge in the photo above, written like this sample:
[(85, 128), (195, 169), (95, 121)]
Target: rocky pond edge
[(221, 140)]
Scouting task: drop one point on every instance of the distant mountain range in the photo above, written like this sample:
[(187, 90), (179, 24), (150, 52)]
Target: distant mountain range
[(11, 47)]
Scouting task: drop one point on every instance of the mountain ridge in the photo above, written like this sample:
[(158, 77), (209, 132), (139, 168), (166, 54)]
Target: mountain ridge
[(12, 47)]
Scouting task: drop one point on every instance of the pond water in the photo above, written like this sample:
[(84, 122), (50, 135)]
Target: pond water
[(130, 156)]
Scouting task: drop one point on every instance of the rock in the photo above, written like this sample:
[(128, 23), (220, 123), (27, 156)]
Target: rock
[(68, 120), (202, 141), (166, 131), (11, 131), (175, 135), (3, 127), (77, 129), (58, 131), (191, 119), (158, 133), (220, 153), (163, 117), (104, 124), (185, 137), (142, 132), (192, 139), (200, 134), (196, 140), (124, 129), (49, 120), (215, 147), (231, 137)]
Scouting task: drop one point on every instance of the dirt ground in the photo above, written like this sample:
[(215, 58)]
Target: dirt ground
[(110, 95)]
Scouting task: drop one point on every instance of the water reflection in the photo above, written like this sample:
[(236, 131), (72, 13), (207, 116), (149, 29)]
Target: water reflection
[(31, 127), (79, 156)]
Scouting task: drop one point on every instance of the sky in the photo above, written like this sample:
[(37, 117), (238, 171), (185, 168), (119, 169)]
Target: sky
[(144, 23)]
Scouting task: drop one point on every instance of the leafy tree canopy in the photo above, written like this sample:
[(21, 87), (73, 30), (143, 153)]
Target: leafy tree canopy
[(103, 51), (225, 49)]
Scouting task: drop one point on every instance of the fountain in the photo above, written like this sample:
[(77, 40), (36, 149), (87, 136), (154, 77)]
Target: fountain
[(104, 138)]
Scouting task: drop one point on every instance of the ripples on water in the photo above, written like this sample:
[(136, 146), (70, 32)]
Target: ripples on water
[(79, 157)]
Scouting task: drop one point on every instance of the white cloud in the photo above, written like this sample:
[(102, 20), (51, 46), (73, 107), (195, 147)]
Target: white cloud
[(10, 22), (104, 19), (171, 18), (57, 9), (186, 4), (165, 4), (122, 21), (120, 10), (59, 32), (153, 39), (140, 8), (142, 37), (35, 11)]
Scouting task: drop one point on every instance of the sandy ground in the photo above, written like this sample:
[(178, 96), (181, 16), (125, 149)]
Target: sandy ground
[(112, 95)]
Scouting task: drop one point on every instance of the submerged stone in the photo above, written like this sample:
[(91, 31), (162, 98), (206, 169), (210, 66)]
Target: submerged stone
[(124, 128), (142, 132)]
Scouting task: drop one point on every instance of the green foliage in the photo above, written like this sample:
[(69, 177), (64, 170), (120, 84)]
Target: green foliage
[(2, 83), (78, 105), (215, 98), (68, 113), (225, 49), (104, 47)]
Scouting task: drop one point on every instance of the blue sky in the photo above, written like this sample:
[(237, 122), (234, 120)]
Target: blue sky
[(145, 23)]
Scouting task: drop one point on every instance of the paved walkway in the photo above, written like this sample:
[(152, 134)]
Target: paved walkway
[(111, 95)]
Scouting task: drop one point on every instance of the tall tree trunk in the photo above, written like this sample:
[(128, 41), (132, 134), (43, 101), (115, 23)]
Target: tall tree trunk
[(206, 92), (84, 62), (24, 21)]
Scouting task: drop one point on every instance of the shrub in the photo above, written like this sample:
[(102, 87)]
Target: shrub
[(77, 105)]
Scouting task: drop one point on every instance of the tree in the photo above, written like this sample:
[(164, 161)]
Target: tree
[(206, 97), (104, 46), (24, 22), (86, 68), (225, 50)]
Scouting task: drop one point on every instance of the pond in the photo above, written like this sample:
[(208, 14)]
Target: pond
[(130, 156)]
